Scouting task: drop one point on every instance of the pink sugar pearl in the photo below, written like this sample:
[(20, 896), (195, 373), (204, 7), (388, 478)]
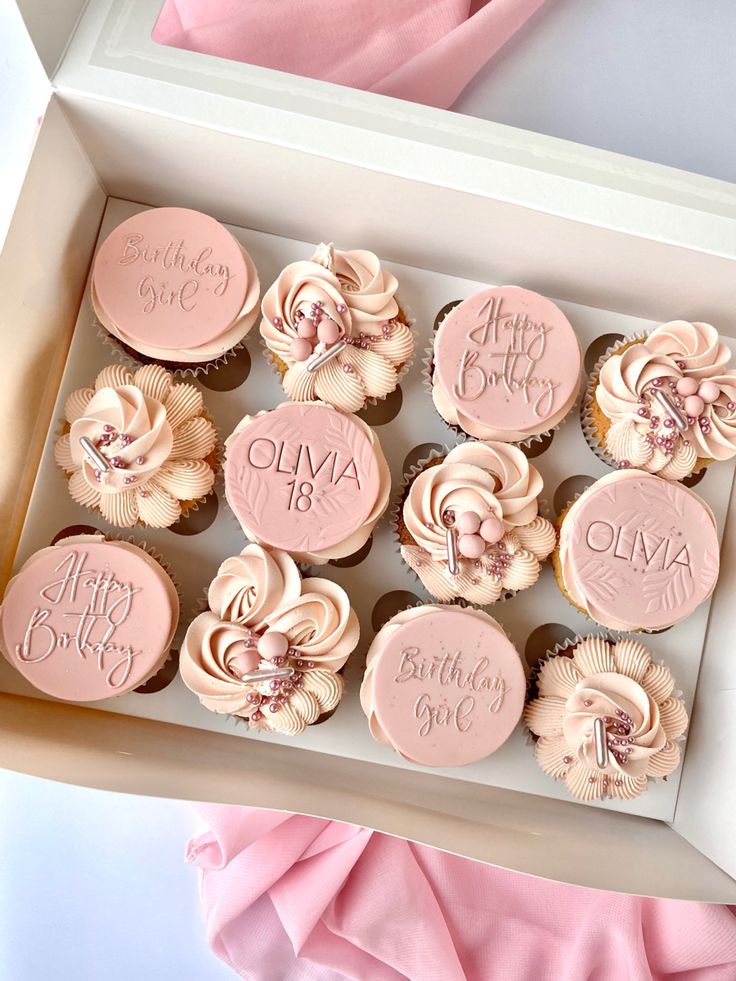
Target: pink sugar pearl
[(244, 661), (709, 391), (694, 405), (471, 546), (468, 523), (306, 328), (687, 386), (328, 331), (492, 530), (301, 349), (272, 644)]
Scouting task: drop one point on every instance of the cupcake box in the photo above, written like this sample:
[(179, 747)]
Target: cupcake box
[(116, 161)]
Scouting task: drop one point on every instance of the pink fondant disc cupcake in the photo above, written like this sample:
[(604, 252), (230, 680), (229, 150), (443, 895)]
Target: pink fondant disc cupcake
[(637, 552), (173, 286), (506, 365), (87, 618), (443, 685), (307, 479)]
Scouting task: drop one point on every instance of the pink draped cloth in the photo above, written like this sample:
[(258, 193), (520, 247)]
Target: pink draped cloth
[(296, 898), (421, 50)]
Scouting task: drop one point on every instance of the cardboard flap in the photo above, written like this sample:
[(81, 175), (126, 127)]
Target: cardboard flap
[(26, 91)]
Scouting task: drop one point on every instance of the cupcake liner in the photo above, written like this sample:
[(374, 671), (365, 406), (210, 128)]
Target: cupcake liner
[(395, 511), (128, 357), (405, 316), (427, 373), (530, 739)]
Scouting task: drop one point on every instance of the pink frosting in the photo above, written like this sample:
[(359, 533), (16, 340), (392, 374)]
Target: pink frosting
[(87, 618), (506, 365), (639, 552), (443, 686), (307, 479), (175, 284)]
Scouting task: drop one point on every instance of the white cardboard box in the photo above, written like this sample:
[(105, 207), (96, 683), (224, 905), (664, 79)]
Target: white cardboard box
[(258, 148)]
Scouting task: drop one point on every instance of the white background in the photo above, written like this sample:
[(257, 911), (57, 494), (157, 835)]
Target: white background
[(94, 885)]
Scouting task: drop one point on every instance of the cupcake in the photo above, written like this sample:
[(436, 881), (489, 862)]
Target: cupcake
[(664, 403), (505, 365), (307, 479), (443, 685), (137, 448), (334, 329), (469, 526), (269, 648), (87, 618), (172, 286), (637, 552), (605, 720)]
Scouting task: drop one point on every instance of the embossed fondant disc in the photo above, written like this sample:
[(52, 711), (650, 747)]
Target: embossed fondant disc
[(447, 686), (303, 477), (638, 551), (508, 361), (171, 278), (88, 619)]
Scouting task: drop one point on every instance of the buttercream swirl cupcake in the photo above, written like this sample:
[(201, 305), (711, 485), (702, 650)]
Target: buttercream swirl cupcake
[(470, 525), (269, 648), (665, 403), (444, 686), (173, 286), (335, 330), (308, 479), (606, 719), (505, 365), (137, 447)]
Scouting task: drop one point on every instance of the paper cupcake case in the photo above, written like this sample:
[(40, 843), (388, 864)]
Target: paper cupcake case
[(379, 584)]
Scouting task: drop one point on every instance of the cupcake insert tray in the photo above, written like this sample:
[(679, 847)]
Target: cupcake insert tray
[(377, 581)]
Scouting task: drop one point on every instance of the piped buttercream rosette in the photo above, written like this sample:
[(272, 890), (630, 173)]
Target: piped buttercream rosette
[(617, 689), (665, 404), (137, 446), (263, 619), (335, 329), (483, 496)]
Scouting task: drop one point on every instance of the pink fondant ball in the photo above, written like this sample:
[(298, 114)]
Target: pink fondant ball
[(468, 523), (306, 328), (244, 661), (272, 644), (301, 349), (694, 405), (492, 530), (328, 331), (687, 386), (471, 546), (709, 391)]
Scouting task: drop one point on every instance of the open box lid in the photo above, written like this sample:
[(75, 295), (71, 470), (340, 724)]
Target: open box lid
[(105, 54)]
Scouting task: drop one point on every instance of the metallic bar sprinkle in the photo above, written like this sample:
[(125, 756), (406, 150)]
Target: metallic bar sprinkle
[(452, 552), (601, 747), (267, 674), (669, 407), (94, 454), (318, 360)]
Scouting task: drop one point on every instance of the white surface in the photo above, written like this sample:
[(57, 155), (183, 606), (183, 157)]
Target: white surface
[(94, 886), (103, 875)]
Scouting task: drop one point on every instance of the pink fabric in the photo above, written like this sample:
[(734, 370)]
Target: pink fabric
[(421, 50), (302, 899)]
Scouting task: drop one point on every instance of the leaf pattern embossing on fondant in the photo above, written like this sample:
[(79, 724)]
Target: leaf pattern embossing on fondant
[(605, 583)]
